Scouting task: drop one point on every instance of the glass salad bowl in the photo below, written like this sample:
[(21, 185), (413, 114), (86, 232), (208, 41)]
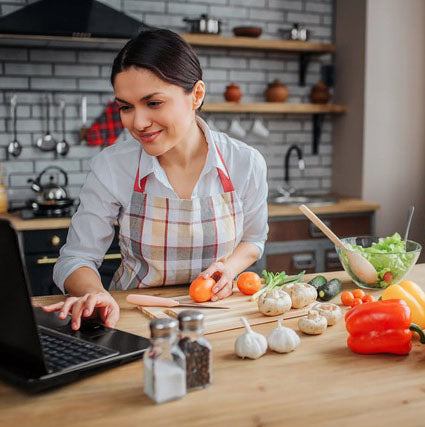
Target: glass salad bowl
[(390, 256)]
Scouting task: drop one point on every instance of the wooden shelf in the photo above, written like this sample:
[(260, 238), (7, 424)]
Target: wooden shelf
[(272, 107), (193, 39), (258, 43)]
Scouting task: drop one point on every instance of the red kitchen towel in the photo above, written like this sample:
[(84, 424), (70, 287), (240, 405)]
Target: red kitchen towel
[(106, 128)]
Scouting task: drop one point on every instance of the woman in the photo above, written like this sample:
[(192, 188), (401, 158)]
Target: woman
[(188, 201)]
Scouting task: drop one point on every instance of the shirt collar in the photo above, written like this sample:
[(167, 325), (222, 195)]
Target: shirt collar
[(149, 164)]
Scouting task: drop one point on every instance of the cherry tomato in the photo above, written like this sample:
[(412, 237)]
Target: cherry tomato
[(357, 301), (368, 298), (200, 289), (358, 293), (388, 277), (347, 298), (249, 282)]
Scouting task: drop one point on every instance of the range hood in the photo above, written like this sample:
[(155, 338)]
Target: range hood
[(71, 18)]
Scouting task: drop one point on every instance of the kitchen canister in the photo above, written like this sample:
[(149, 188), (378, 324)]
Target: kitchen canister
[(276, 92), (233, 93)]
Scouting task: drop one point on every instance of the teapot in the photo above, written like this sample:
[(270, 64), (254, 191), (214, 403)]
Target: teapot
[(51, 192)]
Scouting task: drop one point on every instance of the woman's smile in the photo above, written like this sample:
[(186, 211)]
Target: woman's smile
[(148, 137)]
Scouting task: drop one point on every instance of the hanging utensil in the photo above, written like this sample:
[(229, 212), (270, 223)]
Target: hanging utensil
[(151, 301), (62, 147), (84, 127), (408, 221), (359, 265), (14, 148), (46, 142)]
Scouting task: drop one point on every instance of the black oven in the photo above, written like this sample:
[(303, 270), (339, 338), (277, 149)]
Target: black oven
[(41, 249)]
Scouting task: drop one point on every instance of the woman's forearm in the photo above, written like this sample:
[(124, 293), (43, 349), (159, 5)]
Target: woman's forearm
[(242, 257), (83, 280)]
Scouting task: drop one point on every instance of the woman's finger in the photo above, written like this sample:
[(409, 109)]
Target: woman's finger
[(113, 316), (213, 268), (77, 310), (66, 307), (90, 305), (223, 293), (220, 284), (52, 307)]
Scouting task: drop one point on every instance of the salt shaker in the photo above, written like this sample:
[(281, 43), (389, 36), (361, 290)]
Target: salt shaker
[(196, 349), (164, 363)]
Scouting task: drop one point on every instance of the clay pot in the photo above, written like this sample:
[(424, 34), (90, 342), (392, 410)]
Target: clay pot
[(233, 93), (276, 92), (320, 93)]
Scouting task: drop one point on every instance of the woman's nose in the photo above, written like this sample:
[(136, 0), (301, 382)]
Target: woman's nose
[(141, 120)]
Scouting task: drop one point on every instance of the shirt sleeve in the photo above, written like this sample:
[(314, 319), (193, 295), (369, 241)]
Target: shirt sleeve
[(91, 230), (254, 200)]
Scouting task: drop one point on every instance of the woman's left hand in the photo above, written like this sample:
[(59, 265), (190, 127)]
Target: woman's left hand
[(224, 278)]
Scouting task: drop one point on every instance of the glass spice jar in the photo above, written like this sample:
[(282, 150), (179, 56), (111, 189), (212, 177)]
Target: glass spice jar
[(164, 363), (196, 349)]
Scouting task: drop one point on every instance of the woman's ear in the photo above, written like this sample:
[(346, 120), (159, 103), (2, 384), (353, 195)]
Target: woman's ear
[(198, 94)]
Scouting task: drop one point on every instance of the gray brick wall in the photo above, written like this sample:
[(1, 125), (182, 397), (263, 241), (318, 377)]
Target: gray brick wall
[(69, 73)]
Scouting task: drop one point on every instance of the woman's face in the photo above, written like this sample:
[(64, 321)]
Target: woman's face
[(156, 113)]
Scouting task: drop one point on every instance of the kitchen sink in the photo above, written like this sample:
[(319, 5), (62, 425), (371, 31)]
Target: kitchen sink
[(306, 200)]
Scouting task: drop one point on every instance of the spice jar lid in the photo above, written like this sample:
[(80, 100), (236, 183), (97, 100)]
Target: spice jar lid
[(191, 320), (163, 328)]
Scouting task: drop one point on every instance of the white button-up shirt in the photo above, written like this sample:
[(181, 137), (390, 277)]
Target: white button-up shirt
[(109, 187)]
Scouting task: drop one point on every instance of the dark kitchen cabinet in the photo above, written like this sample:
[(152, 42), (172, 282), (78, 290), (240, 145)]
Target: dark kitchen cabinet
[(295, 244), (41, 249)]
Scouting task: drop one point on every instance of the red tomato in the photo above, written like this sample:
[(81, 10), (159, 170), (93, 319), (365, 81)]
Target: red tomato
[(358, 293), (347, 298), (388, 277), (249, 282), (368, 298), (200, 289)]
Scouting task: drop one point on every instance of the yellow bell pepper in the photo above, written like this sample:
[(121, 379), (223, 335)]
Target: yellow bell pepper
[(413, 295)]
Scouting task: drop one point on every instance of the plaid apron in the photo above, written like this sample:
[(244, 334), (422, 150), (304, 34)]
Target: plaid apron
[(167, 241)]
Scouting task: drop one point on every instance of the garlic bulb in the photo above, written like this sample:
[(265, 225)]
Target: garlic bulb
[(251, 344), (274, 302), (283, 339)]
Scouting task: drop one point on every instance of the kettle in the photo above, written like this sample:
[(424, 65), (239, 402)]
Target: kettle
[(51, 192)]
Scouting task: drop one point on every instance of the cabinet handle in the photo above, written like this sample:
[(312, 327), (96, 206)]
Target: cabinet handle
[(46, 260), (304, 261), (315, 231), (55, 240), (112, 256)]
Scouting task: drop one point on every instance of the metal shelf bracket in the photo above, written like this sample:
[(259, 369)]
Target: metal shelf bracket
[(318, 120)]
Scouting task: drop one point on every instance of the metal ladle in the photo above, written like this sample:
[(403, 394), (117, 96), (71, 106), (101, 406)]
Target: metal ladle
[(62, 147), (14, 148), (46, 142)]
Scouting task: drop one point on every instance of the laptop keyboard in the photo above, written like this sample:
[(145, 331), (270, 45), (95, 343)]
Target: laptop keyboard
[(62, 352)]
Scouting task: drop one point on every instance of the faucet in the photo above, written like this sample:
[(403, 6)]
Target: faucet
[(287, 190)]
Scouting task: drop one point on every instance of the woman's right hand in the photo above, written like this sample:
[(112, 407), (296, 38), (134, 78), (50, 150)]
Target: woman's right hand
[(88, 305)]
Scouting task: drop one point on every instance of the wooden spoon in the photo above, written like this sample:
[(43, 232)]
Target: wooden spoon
[(359, 265)]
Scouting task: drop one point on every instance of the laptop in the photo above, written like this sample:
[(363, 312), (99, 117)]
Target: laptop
[(38, 350)]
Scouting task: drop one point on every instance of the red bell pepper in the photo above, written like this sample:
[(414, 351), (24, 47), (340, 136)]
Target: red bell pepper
[(381, 327)]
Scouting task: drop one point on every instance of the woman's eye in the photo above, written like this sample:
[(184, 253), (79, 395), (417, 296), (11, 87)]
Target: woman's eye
[(124, 107), (154, 103)]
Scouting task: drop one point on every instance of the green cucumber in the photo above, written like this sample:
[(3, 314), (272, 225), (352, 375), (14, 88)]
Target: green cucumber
[(329, 290), (317, 282)]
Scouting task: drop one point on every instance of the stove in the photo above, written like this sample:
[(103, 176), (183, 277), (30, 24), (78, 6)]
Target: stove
[(66, 212)]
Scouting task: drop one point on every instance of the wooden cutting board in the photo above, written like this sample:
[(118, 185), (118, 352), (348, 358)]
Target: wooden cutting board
[(224, 320)]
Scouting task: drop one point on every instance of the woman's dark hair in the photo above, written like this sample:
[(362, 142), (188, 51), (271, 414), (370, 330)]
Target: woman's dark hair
[(164, 53)]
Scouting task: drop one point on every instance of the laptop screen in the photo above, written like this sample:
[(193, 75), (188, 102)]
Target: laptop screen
[(19, 339)]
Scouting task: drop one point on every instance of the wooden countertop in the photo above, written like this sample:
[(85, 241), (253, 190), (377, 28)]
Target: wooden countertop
[(321, 383), (342, 206)]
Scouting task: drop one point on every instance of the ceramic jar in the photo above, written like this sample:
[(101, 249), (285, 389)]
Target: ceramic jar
[(233, 93), (276, 92), (320, 93)]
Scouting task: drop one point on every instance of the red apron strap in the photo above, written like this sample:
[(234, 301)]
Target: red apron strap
[(226, 182), (140, 184)]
